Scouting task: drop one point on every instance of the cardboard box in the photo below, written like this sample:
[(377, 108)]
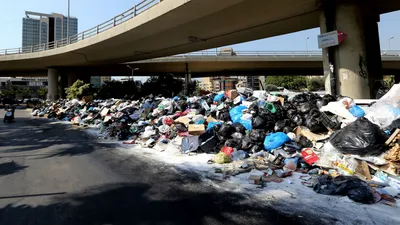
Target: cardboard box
[(232, 94), (196, 129), (185, 120)]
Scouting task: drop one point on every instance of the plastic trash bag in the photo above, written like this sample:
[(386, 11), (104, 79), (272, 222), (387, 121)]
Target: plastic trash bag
[(236, 113), (257, 135), (259, 123), (356, 189), (222, 158), (238, 155), (181, 127), (190, 144), (208, 141), (212, 124), (224, 116), (239, 128), (227, 150), (246, 143), (233, 143), (357, 111), (382, 114), (275, 140), (246, 124), (280, 125), (226, 131), (359, 138), (238, 136), (218, 97)]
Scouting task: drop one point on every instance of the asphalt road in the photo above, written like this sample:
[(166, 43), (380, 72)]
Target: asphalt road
[(54, 174)]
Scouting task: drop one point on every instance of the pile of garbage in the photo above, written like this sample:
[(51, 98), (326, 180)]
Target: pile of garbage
[(340, 147)]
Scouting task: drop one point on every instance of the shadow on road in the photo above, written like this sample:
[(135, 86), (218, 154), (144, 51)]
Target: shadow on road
[(37, 134), (133, 203), (11, 167)]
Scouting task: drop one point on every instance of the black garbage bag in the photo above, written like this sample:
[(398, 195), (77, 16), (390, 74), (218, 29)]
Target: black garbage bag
[(234, 143), (238, 136), (300, 98), (281, 124), (320, 103), (329, 98), (181, 127), (359, 138), (259, 122), (256, 148), (280, 111), (208, 141), (257, 136), (313, 122), (287, 129), (291, 112), (225, 131), (247, 144), (253, 108), (356, 189), (224, 116), (297, 120), (304, 142), (239, 128), (304, 108), (182, 105)]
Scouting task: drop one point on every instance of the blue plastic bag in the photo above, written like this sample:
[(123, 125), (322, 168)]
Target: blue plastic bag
[(212, 124), (357, 111), (275, 140), (236, 113), (176, 98), (246, 124), (218, 97)]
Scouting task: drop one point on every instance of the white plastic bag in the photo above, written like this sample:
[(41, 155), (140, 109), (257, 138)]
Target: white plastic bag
[(382, 114)]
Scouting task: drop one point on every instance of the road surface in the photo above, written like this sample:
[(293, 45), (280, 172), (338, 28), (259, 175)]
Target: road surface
[(53, 173)]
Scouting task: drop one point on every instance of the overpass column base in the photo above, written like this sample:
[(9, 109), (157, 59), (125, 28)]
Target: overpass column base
[(52, 77), (354, 67)]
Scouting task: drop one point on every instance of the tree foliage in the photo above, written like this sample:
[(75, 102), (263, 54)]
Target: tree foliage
[(77, 90), (42, 92), (316, 83), (165, 85), (293, 83), (117, 89)]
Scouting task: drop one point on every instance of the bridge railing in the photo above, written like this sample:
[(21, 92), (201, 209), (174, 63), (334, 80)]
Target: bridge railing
[(115, 21), (305, 54)]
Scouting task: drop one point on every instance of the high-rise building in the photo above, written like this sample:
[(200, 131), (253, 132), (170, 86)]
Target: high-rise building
[(98, 81), (40, 28)]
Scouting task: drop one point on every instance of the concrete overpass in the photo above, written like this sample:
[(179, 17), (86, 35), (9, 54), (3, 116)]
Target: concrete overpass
[(156, 28)]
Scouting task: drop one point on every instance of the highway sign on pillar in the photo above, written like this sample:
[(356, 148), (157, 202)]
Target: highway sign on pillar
[(331, 39)]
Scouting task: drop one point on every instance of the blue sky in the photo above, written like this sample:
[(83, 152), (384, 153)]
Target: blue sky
[(93, 12)]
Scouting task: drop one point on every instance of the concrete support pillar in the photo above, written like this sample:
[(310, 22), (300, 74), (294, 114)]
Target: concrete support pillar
[(354, 67), (187, 79), (52, 90)]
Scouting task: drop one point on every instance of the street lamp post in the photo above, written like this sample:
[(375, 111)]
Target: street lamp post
[(133, 71), (307, 44), (390, 48)]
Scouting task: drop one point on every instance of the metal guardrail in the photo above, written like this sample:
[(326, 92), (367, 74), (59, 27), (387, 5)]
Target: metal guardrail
[(311, 54), (115, 21)]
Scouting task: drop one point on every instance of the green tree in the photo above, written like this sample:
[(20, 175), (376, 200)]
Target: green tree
[(77, 90), (42, 92), (165, 85), (26, 92), (118, 89), (316, 83), (289, 82)]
